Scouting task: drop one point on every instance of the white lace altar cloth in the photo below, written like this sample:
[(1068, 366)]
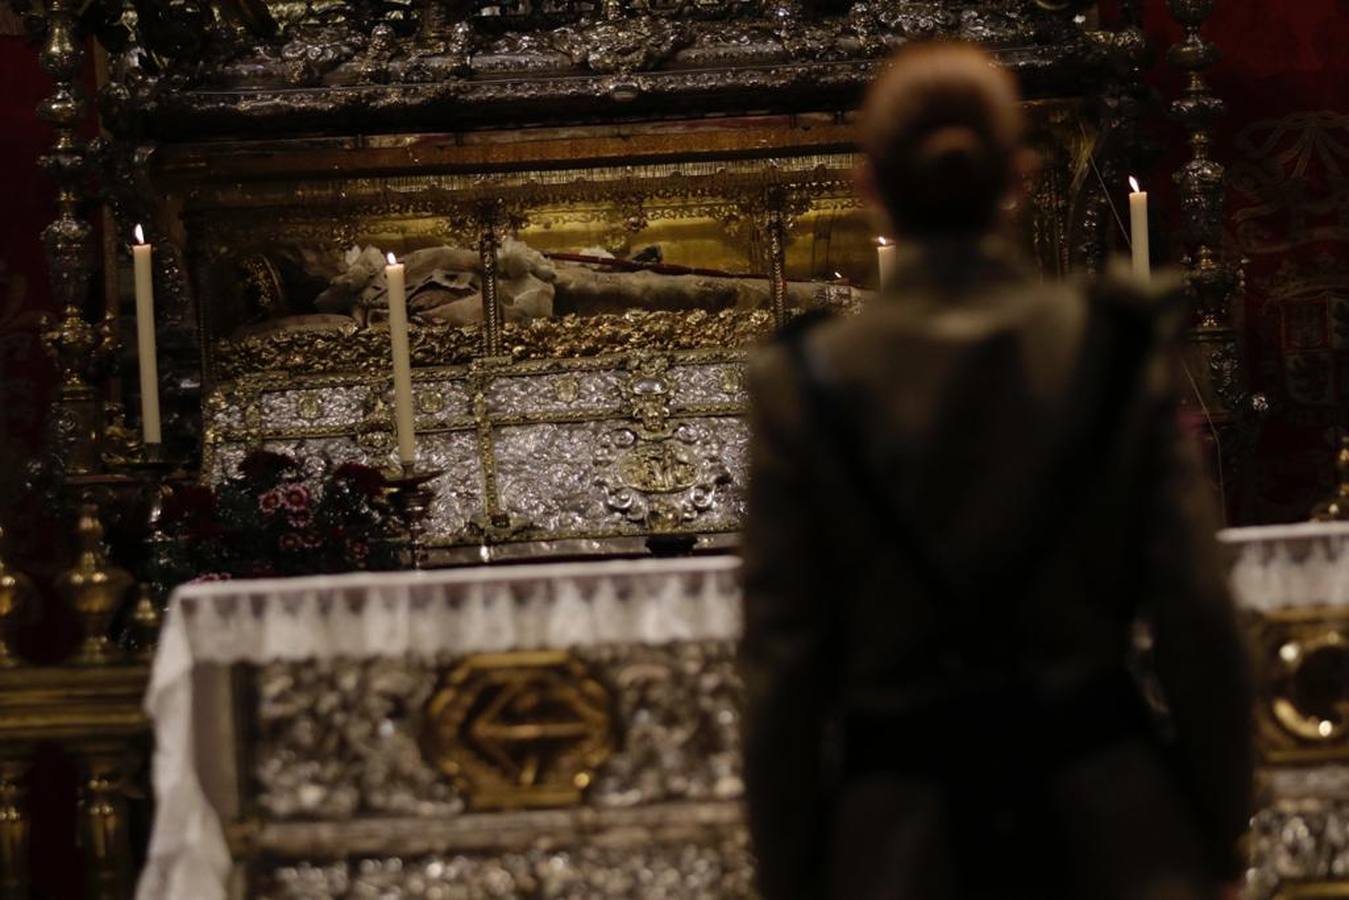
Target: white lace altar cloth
[(393, 614), (516, 608), (1282, 566)]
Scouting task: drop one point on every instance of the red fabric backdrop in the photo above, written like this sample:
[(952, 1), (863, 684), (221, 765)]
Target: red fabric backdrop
[(25, 375), (1285, 141)]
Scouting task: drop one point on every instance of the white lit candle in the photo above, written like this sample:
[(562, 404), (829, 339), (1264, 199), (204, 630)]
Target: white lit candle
[(1138, 229), (402, 361), (145, 338), (887, 254)]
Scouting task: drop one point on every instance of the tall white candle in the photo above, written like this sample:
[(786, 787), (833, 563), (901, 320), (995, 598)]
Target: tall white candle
[(887, 254), (402, 361), (1138, 230), (145, 338)]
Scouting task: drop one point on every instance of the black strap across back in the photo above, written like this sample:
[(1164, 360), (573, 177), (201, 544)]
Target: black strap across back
[(1115, 341)]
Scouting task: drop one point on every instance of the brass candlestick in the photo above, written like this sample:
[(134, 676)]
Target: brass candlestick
[(412, 498), (146, 619), (94, 587), (149, 465), (16, 593), (1336, 507)]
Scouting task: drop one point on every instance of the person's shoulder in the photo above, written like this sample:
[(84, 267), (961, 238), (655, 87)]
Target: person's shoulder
[(1159, 303)]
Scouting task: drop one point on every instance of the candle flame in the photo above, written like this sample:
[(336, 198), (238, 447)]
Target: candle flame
[(1133, 183), (884, 242), (140, 234), (393, 260)]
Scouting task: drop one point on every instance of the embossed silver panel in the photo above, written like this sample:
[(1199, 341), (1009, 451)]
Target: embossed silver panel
[(715, 868), (338, 739), (537, 453)]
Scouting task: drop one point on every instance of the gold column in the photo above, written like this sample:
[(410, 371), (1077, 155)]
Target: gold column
[(75, 344), (777, 260), (1212, 344), (102, 824), (96, 713), (16, 592), (491, 302), (14, 824)]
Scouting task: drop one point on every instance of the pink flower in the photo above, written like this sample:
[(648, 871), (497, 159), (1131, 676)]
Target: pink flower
[(300, 520), (295, 497), (271, 501), (358, 549), (290, 542), (311, 540)]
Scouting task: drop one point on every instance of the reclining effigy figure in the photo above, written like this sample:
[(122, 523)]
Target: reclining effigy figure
[(444, 287)]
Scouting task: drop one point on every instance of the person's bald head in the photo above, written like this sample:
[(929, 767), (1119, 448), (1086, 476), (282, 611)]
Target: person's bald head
[(941, 130)]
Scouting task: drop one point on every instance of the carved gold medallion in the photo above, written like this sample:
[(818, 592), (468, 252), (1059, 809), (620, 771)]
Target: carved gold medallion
[(520, 730), (568, 388), (309, 407), (430, 402)]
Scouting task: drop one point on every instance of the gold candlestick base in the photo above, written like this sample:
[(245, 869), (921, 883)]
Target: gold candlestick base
[(407, 488)]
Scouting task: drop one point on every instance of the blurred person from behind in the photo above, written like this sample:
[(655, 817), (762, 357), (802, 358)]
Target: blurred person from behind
[(961, 502)]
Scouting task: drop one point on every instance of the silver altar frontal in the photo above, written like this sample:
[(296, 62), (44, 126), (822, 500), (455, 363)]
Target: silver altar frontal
[(572, 730), (560, 456)]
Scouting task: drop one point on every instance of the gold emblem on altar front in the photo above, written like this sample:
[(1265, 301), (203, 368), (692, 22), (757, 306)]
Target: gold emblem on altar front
[(518, 730)]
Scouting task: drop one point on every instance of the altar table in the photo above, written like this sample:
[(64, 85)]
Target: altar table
[(571, 730)]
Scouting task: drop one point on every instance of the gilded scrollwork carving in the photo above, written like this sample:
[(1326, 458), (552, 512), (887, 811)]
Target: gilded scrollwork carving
[(352, 350), (663, 480), (278, 58)]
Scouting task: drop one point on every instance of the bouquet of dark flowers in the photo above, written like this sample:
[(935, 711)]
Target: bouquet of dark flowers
[(280, 516)]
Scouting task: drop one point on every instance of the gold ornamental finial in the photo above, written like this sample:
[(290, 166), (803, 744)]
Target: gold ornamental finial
[(78, 348), (16, 592), (94, 587), (1336, 509), (145, 623)]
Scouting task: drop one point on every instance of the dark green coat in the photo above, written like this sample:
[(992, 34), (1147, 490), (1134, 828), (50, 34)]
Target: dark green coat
[(958, 386)]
